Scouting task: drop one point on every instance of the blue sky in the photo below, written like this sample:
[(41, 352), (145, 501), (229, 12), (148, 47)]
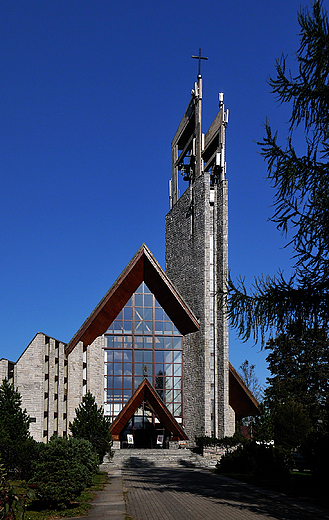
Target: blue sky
[(91, 94)]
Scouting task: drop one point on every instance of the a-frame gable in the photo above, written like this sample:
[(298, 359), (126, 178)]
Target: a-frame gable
[(146, 392), (142, 267)]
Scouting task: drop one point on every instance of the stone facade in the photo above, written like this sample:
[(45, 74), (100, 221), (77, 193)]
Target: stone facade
[(75, 381), (40, 376), (6, 369), (196, 262), (226, 416), (95, 369), (185, 263), (52, 384)]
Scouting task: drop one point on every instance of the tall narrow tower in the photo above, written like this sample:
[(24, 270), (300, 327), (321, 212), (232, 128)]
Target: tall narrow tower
[(197, 263)]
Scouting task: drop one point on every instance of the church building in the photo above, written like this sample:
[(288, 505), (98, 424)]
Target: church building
[(154, 351)]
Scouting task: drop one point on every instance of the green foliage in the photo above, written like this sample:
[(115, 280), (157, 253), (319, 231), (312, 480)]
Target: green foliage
[(315, 451), (17, 448), (257, 459), (65, 467), (296, 397), (237, 461), (301, 198), (5, 499), (298, 308), (18, 457), (38, 509), (91, 424), (263, 426), (287, 424), (204, 441), (14, 422), (12, 506), (291, 425), (299, 366)]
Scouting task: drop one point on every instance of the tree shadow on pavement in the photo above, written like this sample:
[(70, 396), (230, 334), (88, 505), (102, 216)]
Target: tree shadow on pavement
[(218, 489), (138, 462)]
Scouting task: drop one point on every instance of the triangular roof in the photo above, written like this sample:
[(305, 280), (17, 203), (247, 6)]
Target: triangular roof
[(142, 267), (146, 392), (241, 399)]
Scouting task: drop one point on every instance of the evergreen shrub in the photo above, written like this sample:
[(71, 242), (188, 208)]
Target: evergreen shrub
[(91, 424), (19, 456), (12, 506), (315, 452), (257, 459), (17, 448), (237, 461), (65, 467), (204, 441)]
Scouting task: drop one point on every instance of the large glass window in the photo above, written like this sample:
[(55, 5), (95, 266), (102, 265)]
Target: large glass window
[(142, 341)]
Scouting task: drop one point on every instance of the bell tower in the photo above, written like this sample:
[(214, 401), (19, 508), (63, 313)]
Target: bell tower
[(197, 263)]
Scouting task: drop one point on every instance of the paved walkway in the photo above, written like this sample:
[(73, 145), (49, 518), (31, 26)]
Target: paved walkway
[(109, 503), (194, 494), (152, 493)]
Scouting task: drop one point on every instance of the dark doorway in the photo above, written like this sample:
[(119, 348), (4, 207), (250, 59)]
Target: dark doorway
[(143, 431)]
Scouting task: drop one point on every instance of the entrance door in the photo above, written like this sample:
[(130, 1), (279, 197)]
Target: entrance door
[(143, 430)]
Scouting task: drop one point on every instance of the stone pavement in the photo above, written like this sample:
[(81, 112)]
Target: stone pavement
[(197, 494), (109, 503), (182, 493)]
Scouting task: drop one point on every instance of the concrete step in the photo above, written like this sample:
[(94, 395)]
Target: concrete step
[(157, 458)]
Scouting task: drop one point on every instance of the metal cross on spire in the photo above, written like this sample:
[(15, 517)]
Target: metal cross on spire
[(199, 58)]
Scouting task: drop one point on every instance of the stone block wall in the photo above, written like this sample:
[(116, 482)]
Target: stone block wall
[(226, 425), (56, 404), (95, 369), (186, 266), (52, 384), (3, 369), (39, 375), (85, 373), (29, 378), (197, 264), (75, 379)]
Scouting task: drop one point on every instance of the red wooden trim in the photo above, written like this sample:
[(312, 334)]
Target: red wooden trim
[(146, 392), (241, 399), (142, 267)]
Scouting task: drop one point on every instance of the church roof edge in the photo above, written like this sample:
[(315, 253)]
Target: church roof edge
[(242, 399), (142, 267), (146, 392)]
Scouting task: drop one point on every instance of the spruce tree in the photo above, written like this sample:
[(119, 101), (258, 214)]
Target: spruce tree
[(299, 366), (14, 422), (301, 200), (17, 448), (91, 424)]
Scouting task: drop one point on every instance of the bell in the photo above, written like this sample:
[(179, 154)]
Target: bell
[(184, 173)]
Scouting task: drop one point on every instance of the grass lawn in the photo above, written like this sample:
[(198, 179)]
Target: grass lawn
[(36, 510)]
